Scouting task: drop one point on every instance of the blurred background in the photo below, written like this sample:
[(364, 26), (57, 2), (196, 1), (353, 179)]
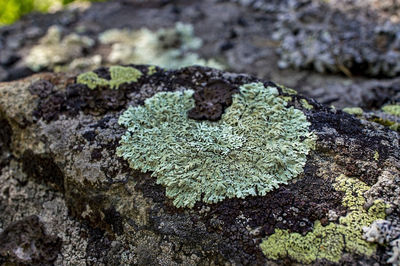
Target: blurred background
[(12, 10), (344, 53)]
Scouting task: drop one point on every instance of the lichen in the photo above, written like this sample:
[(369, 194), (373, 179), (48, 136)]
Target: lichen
[(305, 104), (119, 75), (287, 90), (258, 144), (53, 50), (392, 109), (385, 232), (329, 242), (170, 48), (376, 156), (151, 70), (387, 123), (92, 80), (353, 110)]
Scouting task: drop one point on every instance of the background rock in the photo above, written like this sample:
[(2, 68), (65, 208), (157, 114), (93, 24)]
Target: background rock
[(339, 52)]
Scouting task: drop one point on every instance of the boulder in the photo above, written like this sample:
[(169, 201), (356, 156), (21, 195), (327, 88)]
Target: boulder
[(202, 166)]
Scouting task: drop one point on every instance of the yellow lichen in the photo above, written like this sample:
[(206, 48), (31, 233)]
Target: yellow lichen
[(329, 242), (353, 110)]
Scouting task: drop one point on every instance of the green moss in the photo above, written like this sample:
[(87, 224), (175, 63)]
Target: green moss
[(353, 110), (392, 109), (306, 105), (329, 242), (119, 75), (258, 144)]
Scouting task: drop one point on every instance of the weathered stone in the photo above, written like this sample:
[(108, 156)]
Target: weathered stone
[(26, 242), (64, 136)]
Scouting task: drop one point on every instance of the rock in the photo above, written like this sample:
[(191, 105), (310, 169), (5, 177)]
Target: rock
[(26, 241), (64, 135)]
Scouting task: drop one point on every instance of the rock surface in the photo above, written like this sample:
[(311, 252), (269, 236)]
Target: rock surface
[(58, 142), (349, 56)]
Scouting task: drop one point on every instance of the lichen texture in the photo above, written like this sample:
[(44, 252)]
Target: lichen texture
[(329, 242), (392, 109), (53, 51), (167, 47), (353, 110), (258, 144), (119, 75), (385, 232)]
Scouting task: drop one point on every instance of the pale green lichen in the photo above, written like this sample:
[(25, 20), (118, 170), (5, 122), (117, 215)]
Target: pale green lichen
[(392, 109), (353, 110), (119, 75), (258, 144), (167, 47), (329, 242), (305, 104), (53, 51)]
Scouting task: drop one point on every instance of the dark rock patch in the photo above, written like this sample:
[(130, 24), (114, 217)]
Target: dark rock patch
[(25, 242), (98, 244), (43, 169), (211, 100), (5, 141)]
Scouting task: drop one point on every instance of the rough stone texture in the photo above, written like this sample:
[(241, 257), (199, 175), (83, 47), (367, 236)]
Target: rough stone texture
[(58, 160), (25, 241), (250, 36)]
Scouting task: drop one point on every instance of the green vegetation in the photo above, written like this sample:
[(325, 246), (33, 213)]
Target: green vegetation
[(353, 110), (52, 51), (329, 242), (305, 104), (392, 109), (169, 48), (119, 75), (12, 10), (258, 144)]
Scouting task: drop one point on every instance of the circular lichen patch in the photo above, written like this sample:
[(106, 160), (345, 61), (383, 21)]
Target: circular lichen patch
[(258, 144)]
